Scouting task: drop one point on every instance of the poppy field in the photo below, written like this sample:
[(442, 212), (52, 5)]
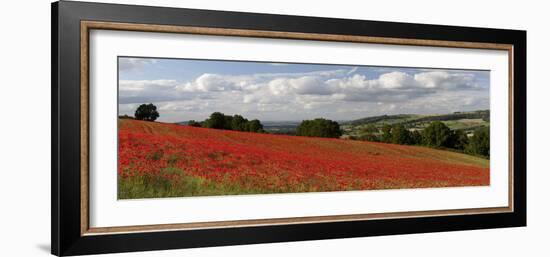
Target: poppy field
[(168, 160)]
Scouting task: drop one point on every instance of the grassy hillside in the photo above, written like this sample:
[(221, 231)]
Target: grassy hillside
[(467, 121), (160, 160)]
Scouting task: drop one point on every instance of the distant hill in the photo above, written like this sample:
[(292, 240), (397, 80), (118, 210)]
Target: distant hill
[(274, 127), (387, 119), (412, 118), (467, 121)]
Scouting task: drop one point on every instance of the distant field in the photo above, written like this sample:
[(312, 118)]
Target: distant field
[(466, 124), (162, 160), (466, 121)]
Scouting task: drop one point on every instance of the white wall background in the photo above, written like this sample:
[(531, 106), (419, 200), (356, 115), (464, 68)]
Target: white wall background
[(25, 127)]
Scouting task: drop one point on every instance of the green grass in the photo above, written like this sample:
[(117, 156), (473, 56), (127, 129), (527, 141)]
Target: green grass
[(467, 121), (181, 185), (466, 124), (152, 186)]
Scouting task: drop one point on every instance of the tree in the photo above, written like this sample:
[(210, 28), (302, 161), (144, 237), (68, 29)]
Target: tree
[(437, 134), (369, 137), (238, 123), (370, 133), (386, 133), (459, 139), (319, 128), (480, 142), (371, 129), (400, 135), (227, 120), (254, 126), (416, 137), (216, 121), (146, 112)]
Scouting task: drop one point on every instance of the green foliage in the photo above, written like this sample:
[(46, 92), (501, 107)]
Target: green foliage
[(216, 121), (468, 121), (416, 137), (368, 137), (400, 135), (459, 140), (432, 131), (146, 112), (227, 120), (254, 126), (395, 134), (194, 123), (160, 185), (319, 128), (237, 122), (371, 129), (125, 116), (437, 134), (480, 142), (174, 182), (369, 134), (386, 133)]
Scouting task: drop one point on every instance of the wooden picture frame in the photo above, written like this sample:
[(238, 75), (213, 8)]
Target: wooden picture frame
[(71, 25)]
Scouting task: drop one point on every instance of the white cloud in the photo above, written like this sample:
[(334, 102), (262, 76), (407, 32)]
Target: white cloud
[(211, 83), (279, 87), (314, 85), (344, 93), (137, 85), (396, 79), (446, 80), (140, 91)]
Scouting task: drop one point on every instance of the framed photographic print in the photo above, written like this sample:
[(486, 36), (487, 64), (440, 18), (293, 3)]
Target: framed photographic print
[(178, 128)]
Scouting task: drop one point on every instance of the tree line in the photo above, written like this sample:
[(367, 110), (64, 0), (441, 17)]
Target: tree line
[(218, 120), (435, 135), (319, 128)]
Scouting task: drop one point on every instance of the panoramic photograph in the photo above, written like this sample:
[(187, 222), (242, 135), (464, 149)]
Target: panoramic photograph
[(191, 127)]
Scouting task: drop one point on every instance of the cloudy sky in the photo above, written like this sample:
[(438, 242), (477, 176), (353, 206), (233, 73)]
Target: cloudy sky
[(185, 89)]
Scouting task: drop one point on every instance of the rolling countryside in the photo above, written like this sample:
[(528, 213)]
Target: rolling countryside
[(170, 160)]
